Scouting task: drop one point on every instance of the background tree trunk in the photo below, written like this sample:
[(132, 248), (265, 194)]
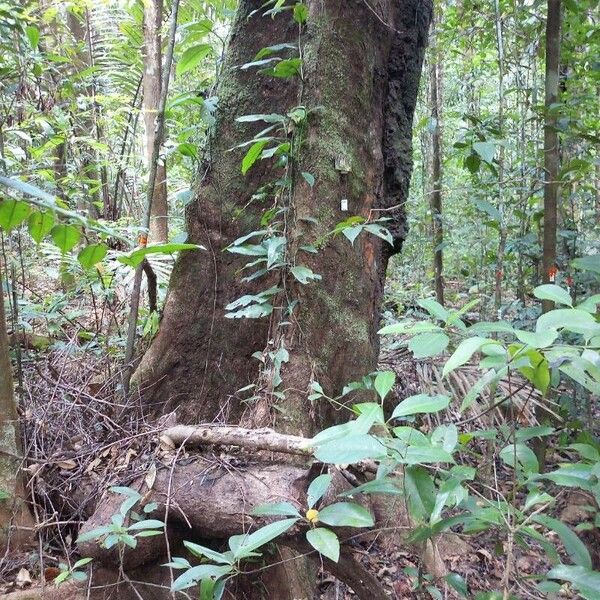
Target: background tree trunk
[(13, 509), (435, 201), (153, 9), (551, 144)]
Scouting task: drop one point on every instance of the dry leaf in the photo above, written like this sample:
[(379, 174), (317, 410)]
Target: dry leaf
[(66, 464), (150, 477), (23, 578)]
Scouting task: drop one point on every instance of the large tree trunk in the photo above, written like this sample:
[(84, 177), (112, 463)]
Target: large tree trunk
[(363, 73), (360, 75)]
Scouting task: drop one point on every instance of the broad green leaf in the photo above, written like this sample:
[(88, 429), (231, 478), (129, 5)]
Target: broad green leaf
[(490, 327), (488, 208), (252, 155), (350, 449), (284, 68), (65, 237), (33, 35), (434, 308), (13, 213), (588, 263), (317, 488), (346, 514), (243, 545), (40, 223), (304, 274), (525, 457), (300, 16), (420, 492), (146, 524), (324, 541), (463, 353), (192, 576), (384, 382), (192, 57), (414, 455), (458, 584), (569, 318), (134, 258), (580, 577), (309, 178), (266, 118), (428, 344), (573, 545), (486, 150), (537, 339), (91, 255), (550, 291), (203, 552), (271, 509), (421, 403)]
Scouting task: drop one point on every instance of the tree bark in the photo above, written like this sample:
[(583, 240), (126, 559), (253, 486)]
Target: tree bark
[(363, 76), (153, 9), (551, 145), (13, 508), (435, 201)]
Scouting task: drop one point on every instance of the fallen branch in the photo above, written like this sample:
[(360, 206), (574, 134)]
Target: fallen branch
[(255, 439)]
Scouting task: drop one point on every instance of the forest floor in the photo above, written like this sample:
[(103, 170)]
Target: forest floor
[(79, 437)]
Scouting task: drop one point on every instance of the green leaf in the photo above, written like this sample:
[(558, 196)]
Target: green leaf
[(284, 68), (487, 379), (146, 524), (65, 237), (13, 213), (421, 403), (526, 459), (537, 339), (252, 155), (309, 178), (428, 344), (325, 542), (195, 574), (304, 274), (33, 35), (243, 545), (420, 492), (134, 258), (280, 509), (192, 57), (40, 223), (346, 514), (488, 208), (550, 291), (317, 489), (350, 449), (384, 382), (434, 308), (573, 545), (414, 455), (203, 552), (458, 584), (486, 151), (580, 577), (300, 16), (463, 353), (588, 263), (572, 319), (91, 255)]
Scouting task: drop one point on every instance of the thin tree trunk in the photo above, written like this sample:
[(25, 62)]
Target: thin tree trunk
[(152, 83), (551, 145), (435, 202), (501, 209), (13, 509)]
